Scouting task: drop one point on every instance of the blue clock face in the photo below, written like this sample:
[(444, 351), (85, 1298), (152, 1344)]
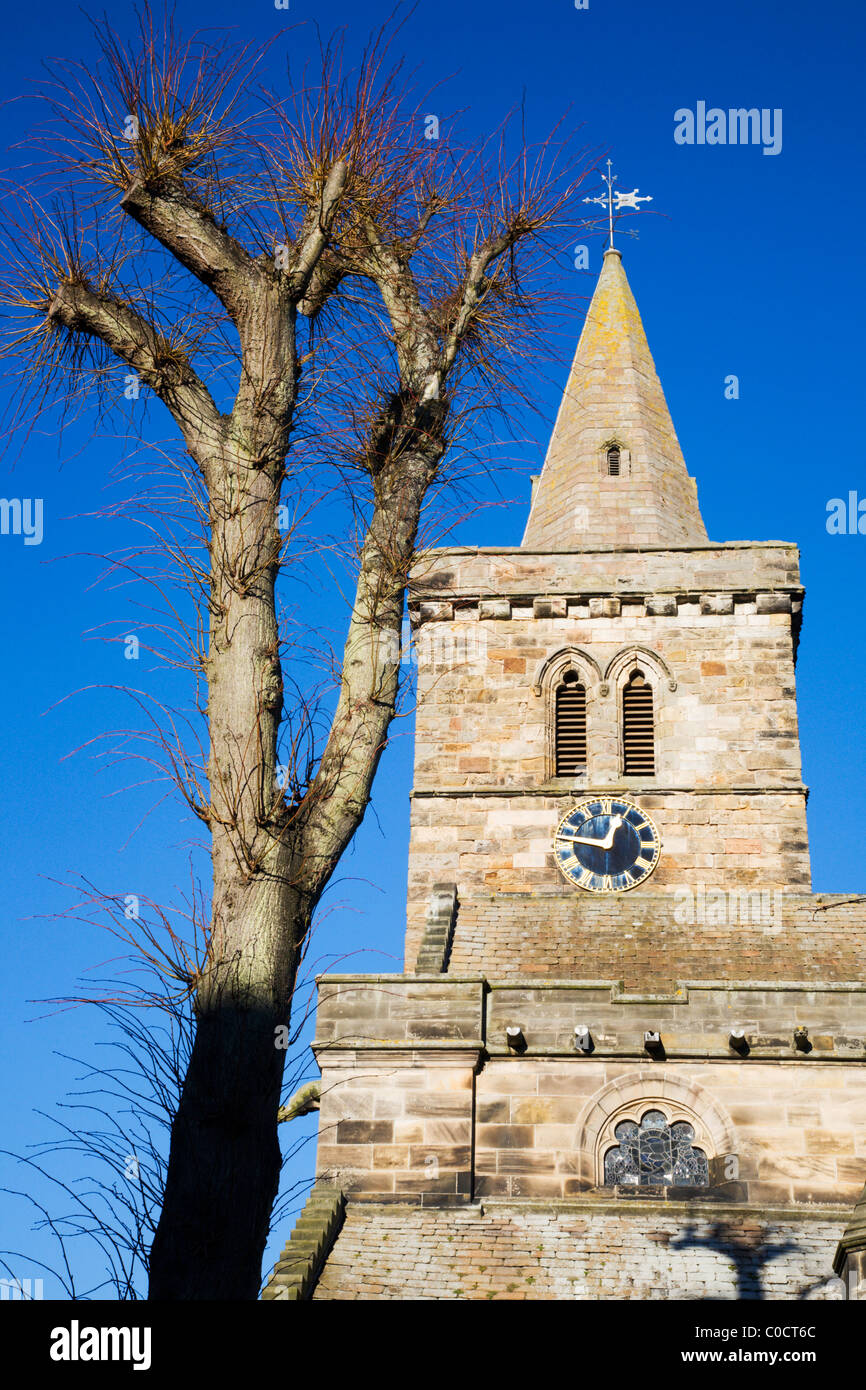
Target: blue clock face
[(607, 846)]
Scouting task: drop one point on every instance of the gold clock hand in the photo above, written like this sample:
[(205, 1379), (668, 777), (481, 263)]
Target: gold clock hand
[(614, 826), (606, 843)]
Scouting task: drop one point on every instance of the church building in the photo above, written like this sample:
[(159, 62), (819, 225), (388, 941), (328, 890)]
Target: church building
[(626, 1057)]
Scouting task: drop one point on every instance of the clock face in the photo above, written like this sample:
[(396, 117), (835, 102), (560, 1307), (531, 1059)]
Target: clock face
[(607, 845)]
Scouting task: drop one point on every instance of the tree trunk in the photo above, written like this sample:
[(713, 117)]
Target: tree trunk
[(224, 1164), (268, 874), (224, 1168)]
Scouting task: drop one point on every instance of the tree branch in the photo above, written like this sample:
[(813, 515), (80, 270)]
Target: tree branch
[(161, 365), (317, 230), (188, 231), (305, 1100), (476, 274)]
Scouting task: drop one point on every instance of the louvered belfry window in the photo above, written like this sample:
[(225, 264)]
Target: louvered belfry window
[(613, 460), (637, 727), (570, 726)]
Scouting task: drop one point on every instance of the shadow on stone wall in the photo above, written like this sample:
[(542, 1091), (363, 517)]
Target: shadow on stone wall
[(741, 1245)]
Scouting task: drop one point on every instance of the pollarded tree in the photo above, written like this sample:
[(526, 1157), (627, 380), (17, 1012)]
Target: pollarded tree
[(317, 247)]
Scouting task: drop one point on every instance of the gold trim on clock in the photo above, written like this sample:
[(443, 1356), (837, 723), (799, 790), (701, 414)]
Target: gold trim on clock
[(606, 844)]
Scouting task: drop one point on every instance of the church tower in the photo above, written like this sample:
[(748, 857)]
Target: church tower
[(626, 1056)]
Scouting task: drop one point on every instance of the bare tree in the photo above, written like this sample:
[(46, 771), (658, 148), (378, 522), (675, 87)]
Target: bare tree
[(324, 251)]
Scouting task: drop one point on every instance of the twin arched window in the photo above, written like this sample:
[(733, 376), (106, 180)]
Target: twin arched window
[(655, 1153), (570, 728)]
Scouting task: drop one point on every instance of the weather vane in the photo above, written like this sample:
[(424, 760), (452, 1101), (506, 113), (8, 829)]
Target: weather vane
[(615, 201)]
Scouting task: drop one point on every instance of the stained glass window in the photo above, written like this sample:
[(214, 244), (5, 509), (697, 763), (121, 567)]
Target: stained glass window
[(656, 1153)]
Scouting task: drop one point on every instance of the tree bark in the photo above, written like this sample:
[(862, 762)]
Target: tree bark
[(224, 1167)]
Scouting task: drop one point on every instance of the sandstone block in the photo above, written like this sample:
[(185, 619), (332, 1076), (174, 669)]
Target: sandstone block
[(605, 607), (773, 603), (661, 606), (499, 608), (436, 612), (550, 607), (717, 604)]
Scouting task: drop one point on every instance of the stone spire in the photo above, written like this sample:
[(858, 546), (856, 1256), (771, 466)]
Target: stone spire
[(613, 401)]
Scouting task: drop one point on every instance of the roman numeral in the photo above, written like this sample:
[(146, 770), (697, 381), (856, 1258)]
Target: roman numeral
[(606, 883)]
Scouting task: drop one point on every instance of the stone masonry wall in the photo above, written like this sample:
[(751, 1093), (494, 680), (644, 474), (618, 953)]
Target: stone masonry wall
[(501, 1253), (398, 1123), (798, 1134), (463, 574), (501, 850), (651, 940), (423, 1099), (727, 791)]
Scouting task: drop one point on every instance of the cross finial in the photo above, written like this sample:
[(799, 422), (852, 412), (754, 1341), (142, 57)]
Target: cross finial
[(615, 202)]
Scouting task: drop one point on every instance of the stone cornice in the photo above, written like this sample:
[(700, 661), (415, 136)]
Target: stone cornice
[(642, 1206), (758, 1057), (681, 991), (439, 602), (408, 978), (447, 1052), (609, 549), (442, 1021), (618, 993), (631, 789)]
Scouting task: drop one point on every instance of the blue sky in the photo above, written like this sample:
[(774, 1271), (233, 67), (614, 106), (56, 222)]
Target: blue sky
[(754, 269)]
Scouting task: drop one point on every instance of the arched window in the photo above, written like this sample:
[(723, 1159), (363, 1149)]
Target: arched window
[(570, 726), (638, 742), (656, 1153), (613, 461)]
